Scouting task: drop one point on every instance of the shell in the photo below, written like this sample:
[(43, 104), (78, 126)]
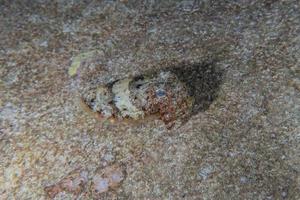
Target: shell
[(137, 97)]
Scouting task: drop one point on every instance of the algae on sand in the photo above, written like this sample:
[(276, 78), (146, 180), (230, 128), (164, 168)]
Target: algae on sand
[(77, 60)]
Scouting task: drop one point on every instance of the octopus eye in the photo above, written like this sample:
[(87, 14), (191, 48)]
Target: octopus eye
[(138, 86), (160, 93), (138, 78)]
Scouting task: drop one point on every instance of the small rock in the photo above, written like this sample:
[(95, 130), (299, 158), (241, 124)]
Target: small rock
[(284, 194), (73, 183), (100, 184), (108, 178), (44, 44), (243, 179), (205, 172)]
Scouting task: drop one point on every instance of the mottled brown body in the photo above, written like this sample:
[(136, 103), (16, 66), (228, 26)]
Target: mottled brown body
[(161, 94)]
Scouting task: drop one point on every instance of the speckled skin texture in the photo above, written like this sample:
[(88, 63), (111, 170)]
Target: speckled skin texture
[(243, 144), (163, 94), (135, 98)]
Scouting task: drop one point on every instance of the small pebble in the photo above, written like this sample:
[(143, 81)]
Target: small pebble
[(100, 184), (205, 172)]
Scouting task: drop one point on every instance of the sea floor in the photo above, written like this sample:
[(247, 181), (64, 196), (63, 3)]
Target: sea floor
[(242, 142)]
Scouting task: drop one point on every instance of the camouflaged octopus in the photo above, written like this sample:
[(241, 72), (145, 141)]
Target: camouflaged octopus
[(135, 98)]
